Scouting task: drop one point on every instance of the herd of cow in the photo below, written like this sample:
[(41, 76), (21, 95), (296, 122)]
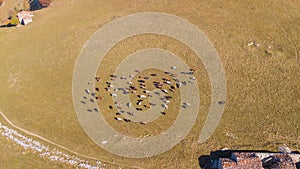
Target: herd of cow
[(140, 88)]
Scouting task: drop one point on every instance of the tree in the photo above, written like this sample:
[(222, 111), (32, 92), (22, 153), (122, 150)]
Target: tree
[(44, 3)]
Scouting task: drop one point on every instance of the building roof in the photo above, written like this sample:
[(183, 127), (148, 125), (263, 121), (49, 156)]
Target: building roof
[(282, 161), (241, 160), (255, 160)]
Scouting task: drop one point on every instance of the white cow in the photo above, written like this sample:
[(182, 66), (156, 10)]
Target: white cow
[(141, 96)]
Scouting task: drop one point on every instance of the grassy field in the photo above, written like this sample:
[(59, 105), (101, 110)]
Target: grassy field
[(13, 156), (263, 84)]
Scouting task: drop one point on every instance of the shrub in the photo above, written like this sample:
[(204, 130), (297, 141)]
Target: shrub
[(1, 2), (14, 20)]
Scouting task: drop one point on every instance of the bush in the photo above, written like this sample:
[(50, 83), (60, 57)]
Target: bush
[(14, 21), (44, 3), (1, 2)]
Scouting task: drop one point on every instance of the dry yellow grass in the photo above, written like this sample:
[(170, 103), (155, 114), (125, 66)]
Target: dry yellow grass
[(263, 89), (13, 156)]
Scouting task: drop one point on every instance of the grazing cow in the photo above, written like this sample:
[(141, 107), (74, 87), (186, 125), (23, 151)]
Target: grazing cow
[(164, 106), (123, 77), (153, 74), (168, 97), (221, 102), (98, 98), (159, 86), (163, 113), (117, 103), (165, 91), (97, 89), (139, 109), (178, 85), (125, 92), (131, 113), (127, 120), (139, 103), (152, 104), (131, 76), (147, 106), (129, 104), (168, 82), (186, 104), (113, 95), (142, 96), (167, 101), (87, 91), (183, 82), (193, 78), (97, 79), (118, 119), (132, 88), (173, 67), (110, 107), (141, 122), (141, 81)]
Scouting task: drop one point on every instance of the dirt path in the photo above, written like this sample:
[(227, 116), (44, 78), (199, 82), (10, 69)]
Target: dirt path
[(60, 146)]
